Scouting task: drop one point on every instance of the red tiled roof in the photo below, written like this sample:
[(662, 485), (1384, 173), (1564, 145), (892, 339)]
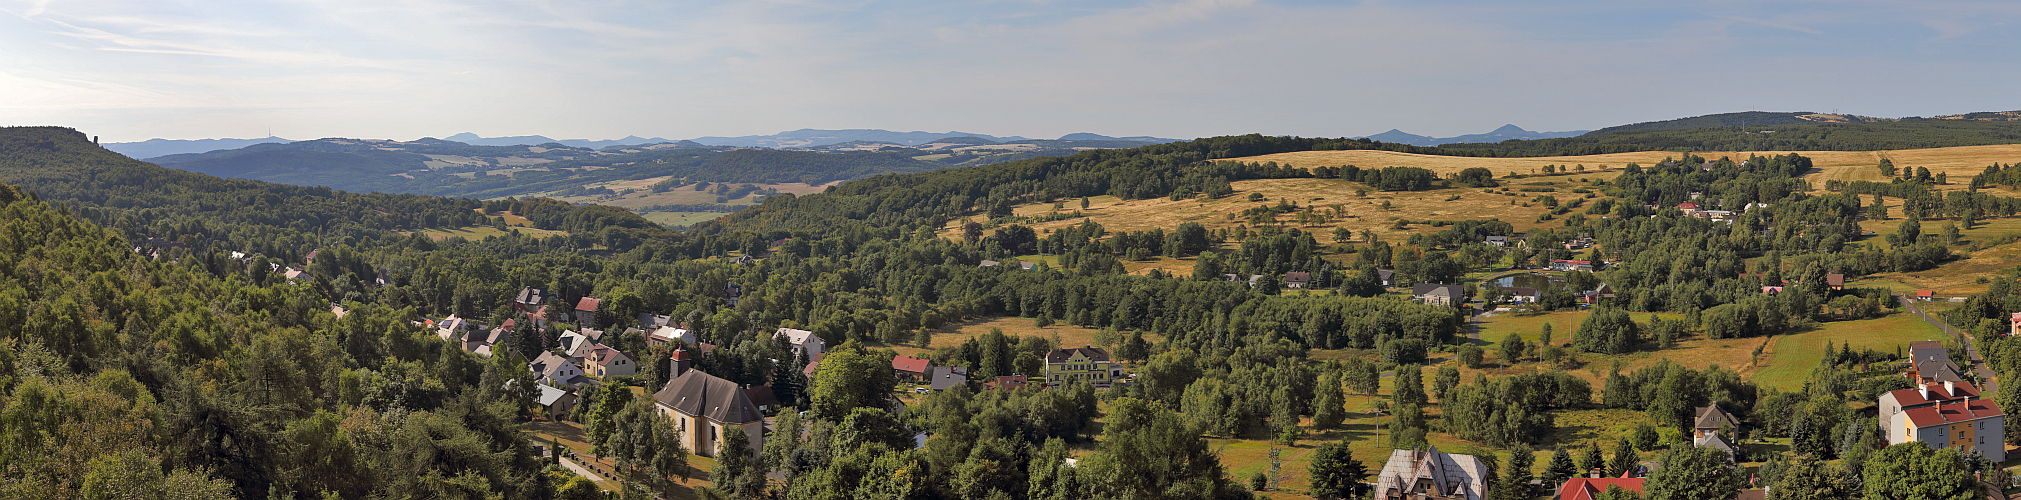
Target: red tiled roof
[(1581, 488), (1948, 413), (1912, 397), (1925, 293), (910, 364), (587, 304)]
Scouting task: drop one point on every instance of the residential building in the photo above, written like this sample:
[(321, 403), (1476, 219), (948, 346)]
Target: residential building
[(1498, 241), (705, 408), (1714, 440), (1522, 295), (607, 361), (1437, 294), (556, 369), (1297, 279), (529, 300), (1572, 265), (802, 339), (1007, 382), (948, 377), (574, 345), (1388, 277), (1712, 419), (988, 263), (762, 396), (1080, 363), (909, 368), (1915, 415), (1588, 488), (1926, 295), (1835, 281), (586, 312), (650, 321), (1429, 474), (1930, 363), (670, 334), (554, 402)]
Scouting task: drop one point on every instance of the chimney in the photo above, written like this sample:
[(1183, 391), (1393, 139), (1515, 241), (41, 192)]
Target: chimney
[(1924, 390), (1950, 390)]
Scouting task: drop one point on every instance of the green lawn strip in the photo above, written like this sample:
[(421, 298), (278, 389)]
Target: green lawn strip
[(1794, 356)]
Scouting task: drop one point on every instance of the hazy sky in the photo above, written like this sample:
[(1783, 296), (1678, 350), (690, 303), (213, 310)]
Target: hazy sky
[(132, 70)]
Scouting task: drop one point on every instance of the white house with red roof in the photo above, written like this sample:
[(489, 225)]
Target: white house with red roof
[(1950, 415)]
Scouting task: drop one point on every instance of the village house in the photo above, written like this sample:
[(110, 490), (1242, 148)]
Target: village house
[(1835, 281), (1947, 416), (529, 300), (1429, 474), (1007, 382), (1926, 295), (555, 403), (1572, 265), (1710, 428), (1522, 295), (669, 334), (1930, 363), (2014, 324), (949, 377), (650, 321), (705, 408), (586, 312), (911, 369), (607, 361), (574, 345), (1437, 294), (1297, 279), (1080, 363), (1589, 488), (803, 340), (556, 370), (1388, 277)]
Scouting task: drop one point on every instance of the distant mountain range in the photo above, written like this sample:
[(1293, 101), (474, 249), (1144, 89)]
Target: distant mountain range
[(163, 147), (1507, 132), (803, 138)]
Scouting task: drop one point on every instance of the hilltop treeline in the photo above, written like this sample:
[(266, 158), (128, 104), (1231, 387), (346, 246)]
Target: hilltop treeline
[(1875, 136)]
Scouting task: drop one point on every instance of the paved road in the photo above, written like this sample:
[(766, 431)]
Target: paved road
[(584, 471), (1989, 385)]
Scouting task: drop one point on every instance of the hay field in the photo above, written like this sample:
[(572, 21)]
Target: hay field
[(1359, 212), (1959, 163)]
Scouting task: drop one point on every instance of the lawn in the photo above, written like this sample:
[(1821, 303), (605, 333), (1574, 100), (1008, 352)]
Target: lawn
[(1790, 358)]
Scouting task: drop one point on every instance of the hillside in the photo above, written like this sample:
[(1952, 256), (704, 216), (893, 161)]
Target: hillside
[(208, 213)]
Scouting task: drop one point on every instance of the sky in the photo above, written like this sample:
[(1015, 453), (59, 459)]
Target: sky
[(130, 70)]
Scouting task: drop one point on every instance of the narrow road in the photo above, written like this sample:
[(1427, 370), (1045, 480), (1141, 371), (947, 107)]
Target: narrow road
[(584, 471), (1989, 385)]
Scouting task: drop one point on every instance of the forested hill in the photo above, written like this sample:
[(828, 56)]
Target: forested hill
[(1171, 169), (1782, 132), (284, 222)]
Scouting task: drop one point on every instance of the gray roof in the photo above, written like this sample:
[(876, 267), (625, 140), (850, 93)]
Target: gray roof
[(1454, 476), (1423, 289), (702, 394), (945, 377), (549, 395)]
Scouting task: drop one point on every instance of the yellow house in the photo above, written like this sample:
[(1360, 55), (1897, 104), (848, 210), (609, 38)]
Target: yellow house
[(1081, 363)]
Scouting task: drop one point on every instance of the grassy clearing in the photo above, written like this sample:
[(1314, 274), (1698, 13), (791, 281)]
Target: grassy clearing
[(954, 334), (1792, 357), (479, 232), (681, 218)]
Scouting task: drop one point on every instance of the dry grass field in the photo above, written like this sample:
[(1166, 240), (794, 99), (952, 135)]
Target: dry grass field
[(1358, 212), (679, 196), (953, 334)]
